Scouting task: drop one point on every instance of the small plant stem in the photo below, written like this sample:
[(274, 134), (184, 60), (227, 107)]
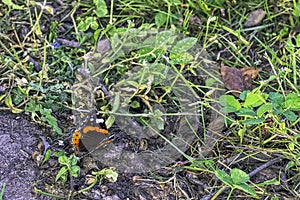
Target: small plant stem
[(48, 194), (6, 49), (218, 192), (294, 64), (206, 33), (2, 190), (169, 11), (88, 187), (230, 193), (235, 33), (291, 84), (41, 73), (36, 25), (75, 6), (277, 77), (111, 12)]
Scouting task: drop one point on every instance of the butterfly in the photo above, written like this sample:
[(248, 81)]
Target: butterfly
[(90, 134)]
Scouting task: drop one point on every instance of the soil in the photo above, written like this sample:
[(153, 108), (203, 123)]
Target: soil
[(18, 139)]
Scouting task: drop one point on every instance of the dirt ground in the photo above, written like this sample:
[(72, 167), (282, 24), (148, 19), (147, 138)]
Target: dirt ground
[(20, 139)]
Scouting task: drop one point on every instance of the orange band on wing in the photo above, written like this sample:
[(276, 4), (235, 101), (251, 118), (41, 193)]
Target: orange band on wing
[(94, 128), (76, 138)]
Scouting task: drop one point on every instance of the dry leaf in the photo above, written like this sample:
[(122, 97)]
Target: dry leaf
[(251, 71), (255, 18), (249, 74), (238, 79), (232, 79)]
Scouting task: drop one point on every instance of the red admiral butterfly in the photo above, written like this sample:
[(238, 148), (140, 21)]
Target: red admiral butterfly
[(91, 134)]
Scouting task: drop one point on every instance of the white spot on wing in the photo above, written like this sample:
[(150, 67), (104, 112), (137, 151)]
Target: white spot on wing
[(101, 120)]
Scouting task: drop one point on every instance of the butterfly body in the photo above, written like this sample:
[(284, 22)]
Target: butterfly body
[(90, 134)]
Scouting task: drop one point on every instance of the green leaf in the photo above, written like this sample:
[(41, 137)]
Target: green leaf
[(297, 139), (84, 25), (74, 171), (290, 115), (200, 164), (269, 182), (94, 25), (276, 109), (243, 95), (109, 173), (224, 177), (159, 71), (96, 34), (264, 109), (145, 52), (296, 10), (19, 96), (62, 173), (160, 123), (17, 7), (135, 104), (148, 42), (110, 121), (47, 156), (89, 20), (59, 153), (112, 175), (37, 87), (209, 82), (292, 102), (52, 121), (238, 176), (101, 8), (64, 160), (8, 101), (73, 159), (16, 110), (254, 100), (229, 103), (246, 188), (253, 121), (9, 3), (289, 165), (32, 106), (158, 120), (276, 98), (183, 58), (246, 112), (164, 38), (2, 97), (116, 103), (160, 19), (184, 45)]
